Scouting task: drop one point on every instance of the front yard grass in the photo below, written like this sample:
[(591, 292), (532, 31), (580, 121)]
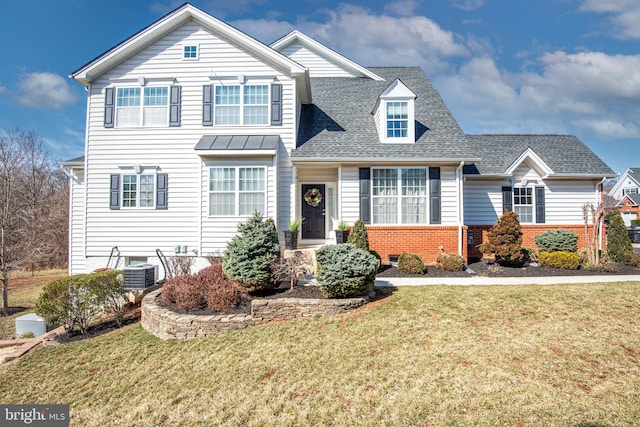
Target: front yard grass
[(565, 355)]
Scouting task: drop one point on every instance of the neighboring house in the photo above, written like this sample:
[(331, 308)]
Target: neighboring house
[(629, 207), (192, 126), (628, 183)]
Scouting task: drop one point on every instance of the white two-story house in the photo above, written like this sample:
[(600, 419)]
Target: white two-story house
[(192, 125)]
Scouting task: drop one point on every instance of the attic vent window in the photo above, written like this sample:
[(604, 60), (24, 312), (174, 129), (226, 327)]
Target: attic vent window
[(190, 52)]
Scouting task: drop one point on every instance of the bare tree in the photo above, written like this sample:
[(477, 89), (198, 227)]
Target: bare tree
[(292, 268), (26, 189)]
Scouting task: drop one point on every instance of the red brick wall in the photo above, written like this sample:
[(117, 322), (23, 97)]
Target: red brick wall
[(529, 231), (421, 240)]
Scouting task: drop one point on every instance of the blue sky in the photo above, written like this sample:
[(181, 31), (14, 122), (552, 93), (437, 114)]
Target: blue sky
[(502, 66)]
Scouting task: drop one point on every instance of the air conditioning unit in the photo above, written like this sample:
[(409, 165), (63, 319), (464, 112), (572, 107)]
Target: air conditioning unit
[(139, 276)]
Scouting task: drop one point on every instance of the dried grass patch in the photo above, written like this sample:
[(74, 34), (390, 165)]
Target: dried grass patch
[(558, 355)]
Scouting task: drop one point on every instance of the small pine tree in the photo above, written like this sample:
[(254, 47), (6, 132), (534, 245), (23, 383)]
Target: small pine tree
[(618, 242), (250, 253), (358, 236), (505, 241)]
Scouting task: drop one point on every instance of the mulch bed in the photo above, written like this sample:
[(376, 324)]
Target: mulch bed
[(492, 270)]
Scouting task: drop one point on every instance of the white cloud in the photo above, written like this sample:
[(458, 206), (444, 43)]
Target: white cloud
[(372, 39), (467, 5), (402, 7), (592, 94), (44, 90), (625, 16)]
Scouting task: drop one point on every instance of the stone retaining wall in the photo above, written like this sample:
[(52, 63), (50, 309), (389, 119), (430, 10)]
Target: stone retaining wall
[(167, 324)]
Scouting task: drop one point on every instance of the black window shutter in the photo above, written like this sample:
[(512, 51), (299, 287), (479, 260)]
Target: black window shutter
[(507, 199), (540, 205), (365, 195), (276, 105), (174, 105), (434, 196), (114, 192), (207, 105), (161, 191), (109, 107)]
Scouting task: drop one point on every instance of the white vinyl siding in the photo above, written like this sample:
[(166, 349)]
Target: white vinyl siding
[(318, 66), (170, 150)]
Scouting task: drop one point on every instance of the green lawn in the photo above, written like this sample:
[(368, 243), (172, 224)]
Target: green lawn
[(433, 356)]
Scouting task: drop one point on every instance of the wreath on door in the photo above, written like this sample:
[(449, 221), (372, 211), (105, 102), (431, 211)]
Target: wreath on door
[(313, 197)]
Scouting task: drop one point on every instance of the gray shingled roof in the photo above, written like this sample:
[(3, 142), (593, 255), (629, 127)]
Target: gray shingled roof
[(635, 198), (564, 154), (339, 124)]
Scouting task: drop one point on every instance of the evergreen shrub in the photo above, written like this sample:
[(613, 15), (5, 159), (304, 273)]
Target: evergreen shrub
[(564, 260), (505, 241), (358, 236), (450, 262), (250, 253), (560, 240), (410, 263), (345, 271), (631, 258), (618, 242)]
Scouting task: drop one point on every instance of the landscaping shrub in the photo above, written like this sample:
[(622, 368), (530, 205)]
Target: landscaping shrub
[(74, 301), (531, 254), (345, 271), (618, 242), (505, 241), (358, 236), (186, 292), (110, 291), (631, 258), (220, 292), (410, 263), (635, 222), (250, 253), (559, 240), (450, 262), (564, 260)]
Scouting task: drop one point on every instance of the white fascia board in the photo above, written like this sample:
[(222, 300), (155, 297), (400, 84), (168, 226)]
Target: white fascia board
[(573, 176), (170, 22), (324, 51), (529, 153), (620, 203)]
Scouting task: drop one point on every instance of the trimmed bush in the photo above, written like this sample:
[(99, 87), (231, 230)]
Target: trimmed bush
[(559, 240), (564, 260), (450, 262), (635, 222), (210, 288), (358, 236), (618, 242), (250, 253), (75, 301), (505, 241), (410, 264), (110, 291), (345, 271), (631, 258)]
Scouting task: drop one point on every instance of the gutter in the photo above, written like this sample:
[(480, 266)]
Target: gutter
[(387, 160)]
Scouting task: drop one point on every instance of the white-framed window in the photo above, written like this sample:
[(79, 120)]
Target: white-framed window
[(397, 118), (241, 104), (190, 52), (237, 191), (399, 195), (629, 190), (146, 106), (523, 204), (138, 191)]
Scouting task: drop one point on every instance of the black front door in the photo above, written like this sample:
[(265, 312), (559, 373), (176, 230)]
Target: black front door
[(313, 199)]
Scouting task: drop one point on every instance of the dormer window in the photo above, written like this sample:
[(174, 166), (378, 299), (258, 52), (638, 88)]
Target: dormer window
[(397, 118), (395, 114)]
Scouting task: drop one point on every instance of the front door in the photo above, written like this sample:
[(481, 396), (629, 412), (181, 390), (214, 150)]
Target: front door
[(313, 212)]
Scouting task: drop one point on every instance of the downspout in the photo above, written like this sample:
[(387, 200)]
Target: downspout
[(460, 201)]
